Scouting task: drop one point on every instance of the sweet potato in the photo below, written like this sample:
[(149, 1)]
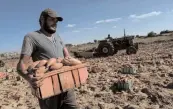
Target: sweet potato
[(32, 66), (41, 63), (40, 70), (70, 61), (51, 62), (56, 66), (59, 60)]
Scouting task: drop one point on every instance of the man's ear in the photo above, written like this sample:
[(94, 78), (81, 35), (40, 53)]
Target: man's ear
[(42, 19)]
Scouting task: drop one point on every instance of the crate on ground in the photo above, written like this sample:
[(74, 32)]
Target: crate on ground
[(3, 75), (58, 81), (128, 69)]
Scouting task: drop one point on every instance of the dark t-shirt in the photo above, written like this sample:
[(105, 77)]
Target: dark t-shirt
[(39, 46)]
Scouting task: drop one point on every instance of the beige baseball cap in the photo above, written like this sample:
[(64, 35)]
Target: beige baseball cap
[(51, 13)]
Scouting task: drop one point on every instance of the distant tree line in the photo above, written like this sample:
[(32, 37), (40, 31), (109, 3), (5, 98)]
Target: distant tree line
[(150, 34), (165, 32)]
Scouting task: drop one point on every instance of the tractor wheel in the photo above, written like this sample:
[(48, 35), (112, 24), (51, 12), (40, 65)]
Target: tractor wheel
[(115, 51), (131, 50), (136, 46), (106, 48)]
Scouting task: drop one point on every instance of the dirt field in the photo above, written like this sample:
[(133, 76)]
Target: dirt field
[(152, 87)]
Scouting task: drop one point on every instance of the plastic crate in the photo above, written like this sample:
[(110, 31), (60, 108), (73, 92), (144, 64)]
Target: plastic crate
[(128, 70), (58, 81), (3, 75)]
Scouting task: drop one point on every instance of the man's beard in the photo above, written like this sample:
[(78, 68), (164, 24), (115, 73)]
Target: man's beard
[(50, 29)]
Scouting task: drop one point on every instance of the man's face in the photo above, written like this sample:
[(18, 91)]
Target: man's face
[(50, 25)]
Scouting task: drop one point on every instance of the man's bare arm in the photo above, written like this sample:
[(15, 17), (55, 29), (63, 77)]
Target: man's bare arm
[(23, 65), (66, 53)]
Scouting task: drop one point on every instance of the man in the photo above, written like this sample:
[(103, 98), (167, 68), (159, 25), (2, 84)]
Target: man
[(45, 44)]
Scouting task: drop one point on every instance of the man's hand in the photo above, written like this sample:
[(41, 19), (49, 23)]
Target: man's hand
[(66, 53), (36, 81), (22, 66)]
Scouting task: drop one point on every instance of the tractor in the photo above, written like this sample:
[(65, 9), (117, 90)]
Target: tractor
[(110, 46)]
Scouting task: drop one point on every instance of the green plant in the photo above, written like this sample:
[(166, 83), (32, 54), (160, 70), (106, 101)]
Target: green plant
[(151, 34)]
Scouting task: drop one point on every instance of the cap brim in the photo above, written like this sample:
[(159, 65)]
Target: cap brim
[(60, 18)]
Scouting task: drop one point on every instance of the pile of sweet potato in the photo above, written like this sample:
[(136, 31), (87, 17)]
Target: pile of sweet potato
[(43, 66)]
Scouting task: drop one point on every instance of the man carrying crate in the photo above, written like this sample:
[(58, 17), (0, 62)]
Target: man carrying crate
[(45, 44)]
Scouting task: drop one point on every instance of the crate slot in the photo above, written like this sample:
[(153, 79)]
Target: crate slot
[(47, 88), (76, 77), (66, 80), (56, 84)]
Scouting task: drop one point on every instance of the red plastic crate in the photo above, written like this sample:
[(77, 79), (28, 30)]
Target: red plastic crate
[(61, 80), (3, 75)]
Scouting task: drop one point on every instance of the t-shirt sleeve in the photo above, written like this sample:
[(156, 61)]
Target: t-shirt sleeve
[(61, 41), (27, 46)]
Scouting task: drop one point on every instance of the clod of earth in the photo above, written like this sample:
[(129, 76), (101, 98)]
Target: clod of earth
[(9, 70), (132, 107), (2, 64), (170, 85)]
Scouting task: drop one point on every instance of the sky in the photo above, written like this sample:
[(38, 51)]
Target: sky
[(84, 20)]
